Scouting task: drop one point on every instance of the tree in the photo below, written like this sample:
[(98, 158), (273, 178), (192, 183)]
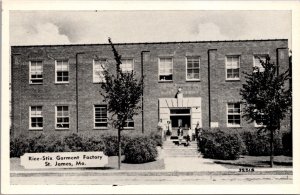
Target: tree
[(122, 93), (267, 98)]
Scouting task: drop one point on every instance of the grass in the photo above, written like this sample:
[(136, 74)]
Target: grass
[(15, 165), (257, 161)]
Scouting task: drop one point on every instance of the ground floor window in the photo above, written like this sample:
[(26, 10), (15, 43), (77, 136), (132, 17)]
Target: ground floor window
[(129, 123), (233, 115), (36, 117), (62, 117), (100, 116)]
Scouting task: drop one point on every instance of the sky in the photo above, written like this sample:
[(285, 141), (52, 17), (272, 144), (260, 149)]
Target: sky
[(84, 27)]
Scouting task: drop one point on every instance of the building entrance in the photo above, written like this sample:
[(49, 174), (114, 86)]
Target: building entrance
[(180, 117)]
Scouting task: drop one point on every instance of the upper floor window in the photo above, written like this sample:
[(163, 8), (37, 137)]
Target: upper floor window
[(62, 117), (257, 63), (232, 67), (165, 69), (36, 72), (62, 71), (100, 116), (192, 68), (36, 117), (233, 115), (127, 65), (98, 75)]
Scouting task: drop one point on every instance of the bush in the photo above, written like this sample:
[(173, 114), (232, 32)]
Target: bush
[(73, 143), (156, 137), (217, 144), (141, 149), (287, 143), (93, 144), (258, 143), (18, 146)]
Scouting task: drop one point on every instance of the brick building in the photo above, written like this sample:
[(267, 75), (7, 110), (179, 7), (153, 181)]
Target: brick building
[(56, 87)]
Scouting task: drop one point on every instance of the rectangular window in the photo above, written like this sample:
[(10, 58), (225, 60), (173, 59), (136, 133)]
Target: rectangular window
[(233, 115), (127, 65), (129, 123), (100, 116), (232, 67), (192, 68), (98, 75), (36, 117), (257, 63), (62, 71), (62, 117), (165, 69), (36, 72)]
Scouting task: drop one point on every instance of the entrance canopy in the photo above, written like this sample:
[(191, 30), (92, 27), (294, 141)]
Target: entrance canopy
[(168, 105)]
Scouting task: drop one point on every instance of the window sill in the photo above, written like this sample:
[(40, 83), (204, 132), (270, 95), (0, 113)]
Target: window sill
[(35, 83), (128, 128), (62, 129), (100, 128), (160, 81), (31, 129), (233, 80), (196, 80), (61, 83), (234, 126)]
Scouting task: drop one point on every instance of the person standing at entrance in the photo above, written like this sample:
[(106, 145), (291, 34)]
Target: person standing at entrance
[(169, 128), (180, 134), (197, 130), (160, 129)]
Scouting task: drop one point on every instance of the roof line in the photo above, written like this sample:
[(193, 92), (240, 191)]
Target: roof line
[(139, 43)]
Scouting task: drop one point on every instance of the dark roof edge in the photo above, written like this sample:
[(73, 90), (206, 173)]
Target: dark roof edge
[(139, 43)]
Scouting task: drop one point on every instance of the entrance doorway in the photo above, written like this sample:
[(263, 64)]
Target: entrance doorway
[(180, 117)]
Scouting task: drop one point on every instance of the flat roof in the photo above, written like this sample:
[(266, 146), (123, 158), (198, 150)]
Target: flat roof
[(139, 43)]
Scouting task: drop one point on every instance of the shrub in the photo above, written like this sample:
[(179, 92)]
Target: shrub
[(93, 144), (219, 144), (141, 149), (287, 143), (18, 146), (54, 143), (258, 143), (73, 143), (156, 137)]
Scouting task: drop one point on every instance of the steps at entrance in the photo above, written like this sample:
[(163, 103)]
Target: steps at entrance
[(173, 150)]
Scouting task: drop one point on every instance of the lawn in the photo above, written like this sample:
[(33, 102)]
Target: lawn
[(257, 161), (112, 165)]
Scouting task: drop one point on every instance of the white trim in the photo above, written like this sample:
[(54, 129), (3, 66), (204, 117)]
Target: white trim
[(35, 128), (159, 69), (258, 55), (132, 59), (102, 81), (230, 125), (63, 128), (61, 82), (186, 70), (30, 72), (233, 79), (94, 116)]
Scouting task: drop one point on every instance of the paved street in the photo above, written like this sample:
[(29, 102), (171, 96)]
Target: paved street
[(153, 180)]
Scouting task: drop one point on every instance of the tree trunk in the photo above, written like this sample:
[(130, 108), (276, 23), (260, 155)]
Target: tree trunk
[(119, 150), (272, 148)]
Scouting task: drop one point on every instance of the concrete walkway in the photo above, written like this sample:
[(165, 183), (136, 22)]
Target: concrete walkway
[(197, 164)]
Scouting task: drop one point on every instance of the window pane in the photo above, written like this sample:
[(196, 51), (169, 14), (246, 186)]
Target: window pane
[(165, 69), (100, 119)]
